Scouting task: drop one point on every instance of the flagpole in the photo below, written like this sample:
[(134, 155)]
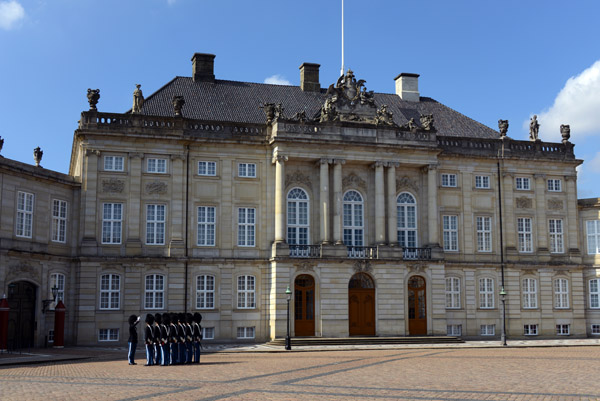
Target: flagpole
[(342, 70)]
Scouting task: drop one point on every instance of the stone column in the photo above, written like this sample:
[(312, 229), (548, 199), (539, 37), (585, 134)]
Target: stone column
[(392, 205), (432, 193), (337, 200), (570, 228), (540, 208), (279, 161), (89, 193), (178, 206), (324, 199), (379, 203), (508, 208), (134, 243)]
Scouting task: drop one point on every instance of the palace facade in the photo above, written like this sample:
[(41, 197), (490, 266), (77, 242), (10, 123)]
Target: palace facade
[(386, 214)]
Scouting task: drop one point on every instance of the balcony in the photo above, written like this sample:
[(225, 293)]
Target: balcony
[(381, 252), (305, 251), (416, 253), (362, 252)]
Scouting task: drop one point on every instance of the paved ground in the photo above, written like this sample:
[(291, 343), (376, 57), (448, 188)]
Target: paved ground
[(406, 373)]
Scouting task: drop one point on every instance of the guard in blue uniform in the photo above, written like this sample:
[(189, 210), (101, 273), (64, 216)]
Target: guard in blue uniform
[(174, 339), (133, 338), (181, 338), (197, 335), (189, 338), (156, 334), (164, 340), (149, 340)]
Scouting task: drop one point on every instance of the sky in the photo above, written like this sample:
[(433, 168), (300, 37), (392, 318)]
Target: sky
[(489, 60)]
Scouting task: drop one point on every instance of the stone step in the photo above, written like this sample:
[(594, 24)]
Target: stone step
[(324, 341)]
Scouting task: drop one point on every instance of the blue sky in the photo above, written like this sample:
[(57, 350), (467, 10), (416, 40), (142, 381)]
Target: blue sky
[(487, 59)]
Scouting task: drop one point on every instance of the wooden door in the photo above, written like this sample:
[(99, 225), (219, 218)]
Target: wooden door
[(361, 305), (304, 306), (417, 306), (21, 318)]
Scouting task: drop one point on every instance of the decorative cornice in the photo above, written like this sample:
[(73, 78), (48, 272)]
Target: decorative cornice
[(89, 152), (379, 163), (323, 160)]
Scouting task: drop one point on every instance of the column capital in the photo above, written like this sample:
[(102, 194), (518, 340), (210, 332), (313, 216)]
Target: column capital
[(324, 160), (430, 167), (92, 152), (393, 164), (177, 157), (279, 158), (570, 178), (339, 161), (508, 174), (379, 163), (136, 155)]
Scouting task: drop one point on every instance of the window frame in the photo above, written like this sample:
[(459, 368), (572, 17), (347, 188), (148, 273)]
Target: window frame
[(454, 330), (207, 168), (453, 293), (109, 224), (529, 293), (450, 233), (560, 286), (594, 295), (58, 279), (108, 335), (483, 228), (480, 182), (59, 222), (110, 291), (24, 218), (298, 217), (246, 228), (403, 220), (554, 185), (155, 295), (449, 180), (530, 329), (206, 335), (560, 329), (246, 294), (156, 228), (205, 228), (595, 329), (113, 165), (556, 235), (594, 236), (486, 331), (353, 218), (487, 296), (156, 167), (244, 170), (246, 330), (523, 183), (205, 294), (524, 236)]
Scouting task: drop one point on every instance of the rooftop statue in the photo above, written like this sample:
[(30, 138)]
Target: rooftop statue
[(565, 131), (503, 127), (1, 143), (37, 156), (178, 102), (349, 100), (138, 99), (534, 128), (427, 122), (93, 96), (384, 116)]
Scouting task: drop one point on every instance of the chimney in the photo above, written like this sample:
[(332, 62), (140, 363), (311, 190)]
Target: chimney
[(309, 77), (203, 67), (407, 86)]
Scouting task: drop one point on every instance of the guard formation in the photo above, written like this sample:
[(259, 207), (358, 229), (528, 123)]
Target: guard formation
[(171, 339)]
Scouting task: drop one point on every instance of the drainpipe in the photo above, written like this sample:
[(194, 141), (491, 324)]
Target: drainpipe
[(186, 214)]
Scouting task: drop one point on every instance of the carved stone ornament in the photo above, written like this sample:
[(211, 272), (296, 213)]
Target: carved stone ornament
[(349, 100), (534, 129), (178, 102), (416, 267), (406, 182), (156, 187), (37, 156), (138, 99), (384, 116), (555, 204), (362, 266), (503, 127), (565, 131), (297, 177), (305, 266), (93, 95), (113, 185), (524, 203), (23, 271), (353, 181), (427, 122)]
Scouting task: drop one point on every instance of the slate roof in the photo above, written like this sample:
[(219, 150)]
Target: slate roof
[(232, 101)]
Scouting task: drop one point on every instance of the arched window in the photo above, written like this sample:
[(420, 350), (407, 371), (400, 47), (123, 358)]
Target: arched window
[(407, 220), (353, 219), (297, 217)]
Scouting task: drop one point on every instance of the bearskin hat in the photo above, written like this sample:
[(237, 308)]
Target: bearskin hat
[(149, 318), (132, 319), (197, 317), (158, 318), (166, 319), (189, 318)]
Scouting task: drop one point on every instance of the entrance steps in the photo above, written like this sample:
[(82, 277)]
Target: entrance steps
[(324, 341)]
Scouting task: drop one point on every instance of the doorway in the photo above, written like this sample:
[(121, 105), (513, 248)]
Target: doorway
[(304, 306), (361, 305), (417, 306), (21, 318)]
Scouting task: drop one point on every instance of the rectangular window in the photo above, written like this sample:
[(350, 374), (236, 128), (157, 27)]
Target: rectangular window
[(110, 291), (208, 333), (554, 185), (158, 166), (530, 329), (484, 234), (155, 224), (529, 293), (482, 181), (487, 329), (113, 163), (596, 329), (595, 293), (246, 292), (452, 293), (593, 236), (561, 293), (155, 292), (59, 221), (24, 214), (57, 280), (450, 227), (207, 168), (205, 292), (523, 184), (206, 226), (108, 335), (454, 330), (246, 221), (247, 170), (245, 332), (555, 229), (448, 180), (112, 214), (50, 336), (563, 329), (486, 293), (525, 234)]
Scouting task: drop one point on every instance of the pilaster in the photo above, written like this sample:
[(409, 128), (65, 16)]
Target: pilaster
[(379, 203), (279, 161), (324, 199), (133, 243), (337, 200), (540, 208), (392, 206)]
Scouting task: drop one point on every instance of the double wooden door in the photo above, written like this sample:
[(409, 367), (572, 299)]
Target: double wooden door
[(304, 306), (417, 306), (21, 318), (361, 305)]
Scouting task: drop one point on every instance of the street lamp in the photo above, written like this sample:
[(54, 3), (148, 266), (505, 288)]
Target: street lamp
[(503, 297), (46, 302), (288, 340)]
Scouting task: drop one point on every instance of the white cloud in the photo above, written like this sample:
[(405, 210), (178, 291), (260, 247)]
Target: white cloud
[(577, 104), (11, 13), (171, 2), (277, 80)]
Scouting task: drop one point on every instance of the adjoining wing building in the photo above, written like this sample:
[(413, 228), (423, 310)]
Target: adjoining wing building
[(385, 214)]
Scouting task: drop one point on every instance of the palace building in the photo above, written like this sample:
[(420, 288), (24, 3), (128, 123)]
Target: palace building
[(386, 214)]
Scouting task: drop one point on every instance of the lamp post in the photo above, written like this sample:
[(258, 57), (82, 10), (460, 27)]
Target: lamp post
[(503, 297), (288, 340), (46, 302)]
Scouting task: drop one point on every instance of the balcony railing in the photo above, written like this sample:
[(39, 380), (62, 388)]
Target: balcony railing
[(305, 251), (416, 253), (362, 252)]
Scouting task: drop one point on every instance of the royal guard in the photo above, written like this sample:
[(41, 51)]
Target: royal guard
[(181, 339), (164, 340), (149, 340), (189, 337), (157, 338), (133, 338), (174, 339), (197, 335)]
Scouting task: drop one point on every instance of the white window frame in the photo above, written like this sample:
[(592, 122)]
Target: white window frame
[(449, 180), (112, 223), (208, 333), (529, 291), (525, 234), (594, 293), (298, 217), (245, 333), (58, 280), (114, 163), (595, 329), (246, 227), (154, 293), (554, 185), (530, 329), (487, 330), (246, 292), (155, 165), (24, 223), (523, 183), (205, 291), (207, 168), (51, 336), (555, 231), (483, 226), (111, 292), (353, 218), (450, 233), (563, 329), (482, 182), (561, 293), (486, 293), (454, 330), (155, 224), (453, 293), (59, 221), (407, 220), (108, 335), (207, 226), (593, 236), (247, 170)]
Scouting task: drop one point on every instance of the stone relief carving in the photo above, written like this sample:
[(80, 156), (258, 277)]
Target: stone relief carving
[(362, 266), (297, 177), (113, 185), (156, 187), (93, 95), (524, 203), (352, 180), (305, 266), (416, 267), (21, 271), (555, 204), (406, 182)]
